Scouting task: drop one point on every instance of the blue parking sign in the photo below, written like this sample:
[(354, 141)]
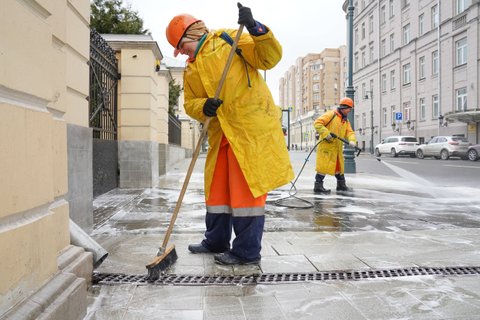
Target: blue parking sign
[(398, 116)]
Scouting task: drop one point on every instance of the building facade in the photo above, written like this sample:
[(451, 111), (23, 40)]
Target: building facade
[(310, 87), (415, 69)]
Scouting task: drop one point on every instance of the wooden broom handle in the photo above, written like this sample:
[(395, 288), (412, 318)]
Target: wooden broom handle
[(200, 140)]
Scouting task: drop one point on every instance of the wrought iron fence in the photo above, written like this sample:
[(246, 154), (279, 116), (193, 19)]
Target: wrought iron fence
[(174, 130), (103, 88)]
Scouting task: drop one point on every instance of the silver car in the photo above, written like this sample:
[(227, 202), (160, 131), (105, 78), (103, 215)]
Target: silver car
[(473, 152), (444, 147)]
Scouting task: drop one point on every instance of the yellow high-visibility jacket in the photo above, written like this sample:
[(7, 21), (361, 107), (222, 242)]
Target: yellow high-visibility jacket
[(328, 153), (248, 117)]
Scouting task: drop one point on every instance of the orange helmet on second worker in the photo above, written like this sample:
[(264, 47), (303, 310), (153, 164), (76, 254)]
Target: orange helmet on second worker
[(177, 27), (346, 103)]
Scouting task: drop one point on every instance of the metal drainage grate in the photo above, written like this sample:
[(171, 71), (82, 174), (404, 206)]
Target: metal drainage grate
[(273, 278)]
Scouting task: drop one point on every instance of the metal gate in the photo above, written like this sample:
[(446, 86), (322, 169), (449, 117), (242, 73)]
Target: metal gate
[(104, 78), (103, 88)]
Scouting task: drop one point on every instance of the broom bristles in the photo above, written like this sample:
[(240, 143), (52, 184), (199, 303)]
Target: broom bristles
[(161, 263)]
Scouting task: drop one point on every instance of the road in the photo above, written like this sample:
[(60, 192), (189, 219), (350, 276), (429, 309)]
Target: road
[(452, 172), (443, 173)]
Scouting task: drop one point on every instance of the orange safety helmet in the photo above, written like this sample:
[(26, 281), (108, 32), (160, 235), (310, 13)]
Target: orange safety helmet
[(346, 102), (177, 27)]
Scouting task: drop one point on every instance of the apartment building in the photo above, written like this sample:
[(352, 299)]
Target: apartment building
[(415, 69), (313, 85)]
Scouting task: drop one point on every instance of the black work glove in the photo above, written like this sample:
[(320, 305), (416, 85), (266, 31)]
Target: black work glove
[(245, 16), (210, 107)]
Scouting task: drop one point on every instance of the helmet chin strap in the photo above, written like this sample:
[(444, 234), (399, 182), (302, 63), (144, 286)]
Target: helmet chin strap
[(341, 112)]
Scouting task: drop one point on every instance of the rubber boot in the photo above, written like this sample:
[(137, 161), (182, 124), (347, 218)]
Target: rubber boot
[(318, 187), (341, 184)]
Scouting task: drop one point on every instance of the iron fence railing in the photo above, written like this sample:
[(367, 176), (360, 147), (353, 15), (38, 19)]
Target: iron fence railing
[(103, 88)]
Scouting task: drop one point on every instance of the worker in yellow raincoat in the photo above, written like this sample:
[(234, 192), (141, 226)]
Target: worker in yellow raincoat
[(330, 150), (247, 156)]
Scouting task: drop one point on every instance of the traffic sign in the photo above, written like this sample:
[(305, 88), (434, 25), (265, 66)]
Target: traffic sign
[(398, 116)]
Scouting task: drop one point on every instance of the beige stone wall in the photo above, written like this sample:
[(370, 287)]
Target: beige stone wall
[(43, 85), (163, 78), (140, 100)]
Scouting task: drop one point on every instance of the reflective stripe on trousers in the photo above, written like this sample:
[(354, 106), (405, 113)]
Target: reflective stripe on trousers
[(232, 205)]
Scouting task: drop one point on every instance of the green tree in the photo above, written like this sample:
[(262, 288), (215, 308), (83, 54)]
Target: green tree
[(174, 91), (111, 16)]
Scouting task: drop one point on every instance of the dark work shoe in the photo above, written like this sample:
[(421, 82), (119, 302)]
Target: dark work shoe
[(318, 188), (342, 186), (198, 248), (229, 259)]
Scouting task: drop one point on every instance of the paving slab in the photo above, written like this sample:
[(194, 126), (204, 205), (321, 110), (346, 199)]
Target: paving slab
[(384, 224)]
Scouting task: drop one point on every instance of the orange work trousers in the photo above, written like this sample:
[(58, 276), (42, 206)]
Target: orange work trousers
[(229, 191)]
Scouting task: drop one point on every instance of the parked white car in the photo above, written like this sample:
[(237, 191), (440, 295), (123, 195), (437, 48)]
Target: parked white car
[(397, 145), (444, 147)]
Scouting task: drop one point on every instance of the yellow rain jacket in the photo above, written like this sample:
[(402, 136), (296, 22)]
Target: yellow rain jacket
[(328, 153), (248, 117)]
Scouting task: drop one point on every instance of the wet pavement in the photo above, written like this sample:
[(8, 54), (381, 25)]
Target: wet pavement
[(385, 223)]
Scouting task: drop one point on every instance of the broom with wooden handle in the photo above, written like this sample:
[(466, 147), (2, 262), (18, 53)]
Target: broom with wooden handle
[(167, 256)]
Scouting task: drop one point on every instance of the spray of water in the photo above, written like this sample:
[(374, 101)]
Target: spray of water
[(424, 184)]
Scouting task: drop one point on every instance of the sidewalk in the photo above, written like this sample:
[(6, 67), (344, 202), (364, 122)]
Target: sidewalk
[(386, 225)]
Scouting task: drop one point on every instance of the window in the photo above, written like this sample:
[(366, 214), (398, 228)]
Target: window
[(460, 6), (392, 42), (364, 90), (370, 23), (356, 36), (356, 61), (461, 95), (372, 57), (435, 108), (371, 85), (363, 30), (461, 51), (384, 82), (391, 9), (382, 14), (363, 59), (364, 120), (392, 80), (406, 34), (421, 27), (422, 107), (406, 73), (434, 17), (435, 63), (421, 67), (384, 117), (406, 111), (392, 113), (405, 3), (383, 48)]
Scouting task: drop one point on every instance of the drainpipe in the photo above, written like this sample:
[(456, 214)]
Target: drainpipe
[(380, 57), (80, 238), (439, 80)]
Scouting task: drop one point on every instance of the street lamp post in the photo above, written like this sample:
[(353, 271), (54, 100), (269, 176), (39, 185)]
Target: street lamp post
[(370, 96), (301, 134), (288, 126), (349, 152)]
